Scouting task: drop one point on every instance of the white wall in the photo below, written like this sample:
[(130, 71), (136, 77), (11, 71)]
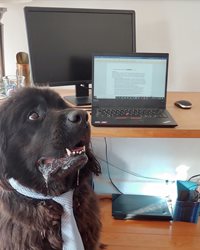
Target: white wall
[(162, 26), (150, 162)]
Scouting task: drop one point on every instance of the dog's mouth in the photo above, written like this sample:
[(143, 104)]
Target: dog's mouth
[(73, 159)]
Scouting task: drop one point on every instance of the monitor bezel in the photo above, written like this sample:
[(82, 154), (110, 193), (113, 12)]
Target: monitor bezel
[(81, 86)]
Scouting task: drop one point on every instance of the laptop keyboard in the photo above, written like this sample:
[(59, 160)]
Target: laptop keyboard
[(139, 112)]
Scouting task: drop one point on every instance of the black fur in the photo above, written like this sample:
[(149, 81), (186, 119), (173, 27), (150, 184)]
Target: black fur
[(36, 126)]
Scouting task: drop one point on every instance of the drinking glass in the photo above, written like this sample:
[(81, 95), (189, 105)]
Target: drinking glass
[(11, 83)]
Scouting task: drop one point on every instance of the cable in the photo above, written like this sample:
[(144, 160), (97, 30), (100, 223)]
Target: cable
[(133, 173), (194, 176), (108, 169), (126, 171)]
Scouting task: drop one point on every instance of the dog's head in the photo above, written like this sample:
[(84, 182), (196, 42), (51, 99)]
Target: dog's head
[(44, 142)]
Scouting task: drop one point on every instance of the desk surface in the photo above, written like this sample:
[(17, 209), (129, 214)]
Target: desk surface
[(145, 235), (188, 120)]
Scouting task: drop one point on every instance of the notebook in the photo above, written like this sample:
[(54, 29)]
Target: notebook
[(130, 206), (130, 90)]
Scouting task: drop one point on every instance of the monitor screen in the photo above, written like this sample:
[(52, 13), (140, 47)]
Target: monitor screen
[(61, 42)]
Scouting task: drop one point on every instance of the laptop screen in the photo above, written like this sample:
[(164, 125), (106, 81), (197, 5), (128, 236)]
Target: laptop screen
[(135, 76)]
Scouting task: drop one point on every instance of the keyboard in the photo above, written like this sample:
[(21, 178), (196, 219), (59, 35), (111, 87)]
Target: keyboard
[(126, 112)]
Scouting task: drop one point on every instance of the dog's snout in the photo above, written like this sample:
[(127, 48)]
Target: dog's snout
[(77, 116)]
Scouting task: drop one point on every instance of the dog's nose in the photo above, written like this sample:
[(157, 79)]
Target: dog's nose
[(77, 116)]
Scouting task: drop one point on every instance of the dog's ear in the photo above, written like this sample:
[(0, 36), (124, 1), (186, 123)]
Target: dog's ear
[(92, 164)]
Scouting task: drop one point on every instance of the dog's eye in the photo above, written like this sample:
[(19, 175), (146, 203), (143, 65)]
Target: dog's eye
[(33, 116)]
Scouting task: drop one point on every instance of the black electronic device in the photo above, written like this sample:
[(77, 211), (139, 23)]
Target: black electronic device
[(62, 40), (131, 206), (184, 104)]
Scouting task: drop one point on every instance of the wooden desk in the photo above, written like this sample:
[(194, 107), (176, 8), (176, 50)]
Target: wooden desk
[(188, 120), (146, 235)]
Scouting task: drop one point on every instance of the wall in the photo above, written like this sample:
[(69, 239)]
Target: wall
[(147, 166), (162, 26)]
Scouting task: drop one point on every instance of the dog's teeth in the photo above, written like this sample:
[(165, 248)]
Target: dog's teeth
[(75, 151), (68, 152)]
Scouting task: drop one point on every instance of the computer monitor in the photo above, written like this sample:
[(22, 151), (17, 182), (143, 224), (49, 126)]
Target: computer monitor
[(62, 40)]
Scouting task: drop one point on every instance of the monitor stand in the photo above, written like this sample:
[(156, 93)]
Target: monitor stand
[(82, 97)]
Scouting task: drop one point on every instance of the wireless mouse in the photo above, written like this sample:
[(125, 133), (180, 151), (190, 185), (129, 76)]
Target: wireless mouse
[(184, 104)]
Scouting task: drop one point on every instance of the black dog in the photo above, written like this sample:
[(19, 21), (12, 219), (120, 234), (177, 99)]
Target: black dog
[(44, 153)]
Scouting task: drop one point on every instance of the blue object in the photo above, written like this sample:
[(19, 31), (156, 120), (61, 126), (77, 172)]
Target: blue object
[(186, 185), (187, 203), (186, 211)]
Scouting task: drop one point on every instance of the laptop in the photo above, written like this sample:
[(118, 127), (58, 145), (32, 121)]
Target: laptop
[(139, 207), (130, 90)]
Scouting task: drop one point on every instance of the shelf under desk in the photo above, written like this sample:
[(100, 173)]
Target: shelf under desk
[(143, 235), (188, 120)]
